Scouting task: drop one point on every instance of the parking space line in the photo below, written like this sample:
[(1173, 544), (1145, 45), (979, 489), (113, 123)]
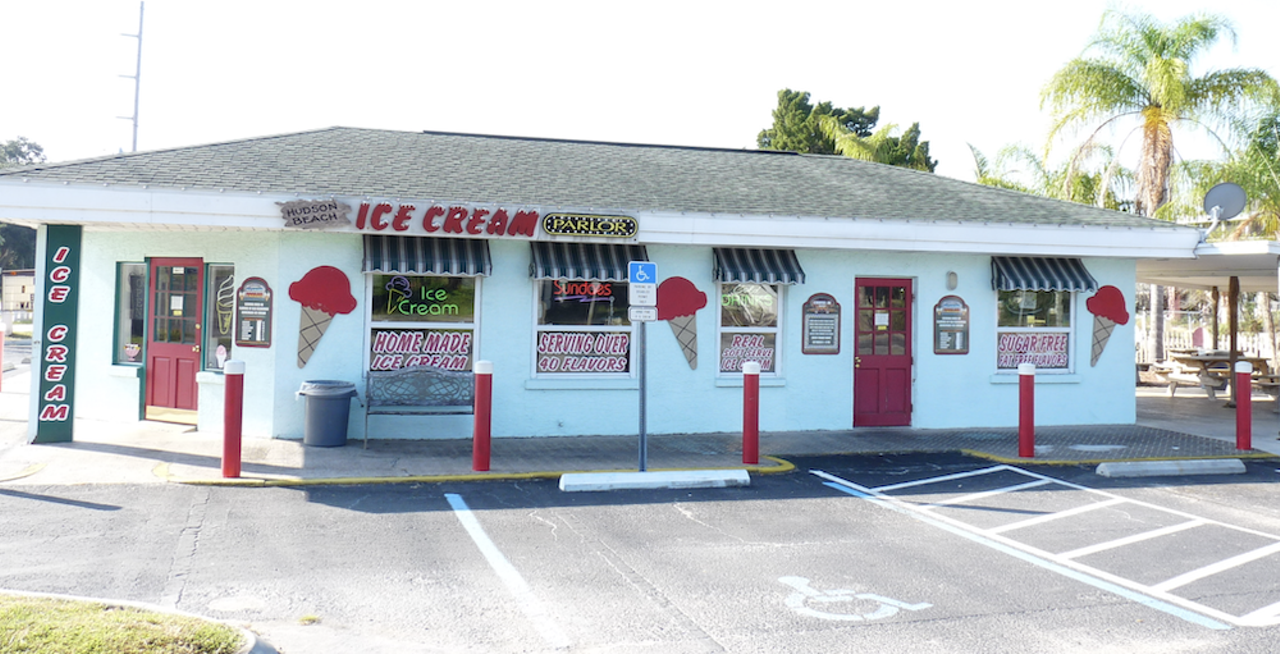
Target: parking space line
[(1129, 540), (525, 599), (1263, 617), (1031, 522), (1215, 568), (973, 497), (934, 480), (1097, 579)]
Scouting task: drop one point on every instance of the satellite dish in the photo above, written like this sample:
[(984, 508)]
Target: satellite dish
[(1228, 198), (1224, 201)]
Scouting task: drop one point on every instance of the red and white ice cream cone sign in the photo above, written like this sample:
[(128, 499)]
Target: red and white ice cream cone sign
[(1108, 309), (678, 304), (323, 292)]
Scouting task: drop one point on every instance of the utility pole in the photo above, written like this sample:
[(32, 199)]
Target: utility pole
[(136, 77)]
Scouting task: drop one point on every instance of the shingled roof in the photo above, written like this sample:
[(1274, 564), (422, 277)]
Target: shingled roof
[(342, 161)]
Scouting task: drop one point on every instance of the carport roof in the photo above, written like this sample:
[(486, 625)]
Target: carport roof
[(1255, 263)]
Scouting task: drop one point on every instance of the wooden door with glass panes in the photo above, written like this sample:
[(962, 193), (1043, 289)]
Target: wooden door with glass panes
[(882, 353), (173, 338)]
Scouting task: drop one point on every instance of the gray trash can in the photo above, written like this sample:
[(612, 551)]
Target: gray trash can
[(328, 407)]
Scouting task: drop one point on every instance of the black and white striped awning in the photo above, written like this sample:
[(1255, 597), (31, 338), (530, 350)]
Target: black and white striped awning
[(1040, 274), (584, 262), (412, 255), (761, 266)]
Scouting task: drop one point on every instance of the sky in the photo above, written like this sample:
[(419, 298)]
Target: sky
[(684, 72)]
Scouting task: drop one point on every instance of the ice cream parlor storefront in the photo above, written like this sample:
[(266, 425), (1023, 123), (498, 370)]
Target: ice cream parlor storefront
[(146, 293)]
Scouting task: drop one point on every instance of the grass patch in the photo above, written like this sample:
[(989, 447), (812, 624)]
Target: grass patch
[(32, 625)]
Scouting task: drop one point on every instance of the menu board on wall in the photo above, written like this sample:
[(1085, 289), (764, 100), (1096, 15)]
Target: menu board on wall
[(821, 325), (253, 313), (951, 326)]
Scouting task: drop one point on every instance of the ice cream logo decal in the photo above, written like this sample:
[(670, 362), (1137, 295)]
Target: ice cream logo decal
[(678, 304), (1108, 309), (323, 292)]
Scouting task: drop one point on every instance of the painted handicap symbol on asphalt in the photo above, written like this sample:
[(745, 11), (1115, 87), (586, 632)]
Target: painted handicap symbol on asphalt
[(807, 600)]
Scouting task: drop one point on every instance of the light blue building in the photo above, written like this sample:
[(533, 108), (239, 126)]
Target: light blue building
[(870, 295)]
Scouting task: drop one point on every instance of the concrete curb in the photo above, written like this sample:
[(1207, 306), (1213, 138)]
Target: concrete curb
[(1093, 462), (162, 471), (1117, 469), (30, 470), (606, 481), (251, 643)]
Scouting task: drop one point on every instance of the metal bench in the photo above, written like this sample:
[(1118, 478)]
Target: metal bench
[(417, 390)]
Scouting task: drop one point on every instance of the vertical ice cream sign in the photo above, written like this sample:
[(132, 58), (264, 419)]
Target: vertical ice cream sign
[(1108, 309), (323, 292), (678, 304), (54, 407)]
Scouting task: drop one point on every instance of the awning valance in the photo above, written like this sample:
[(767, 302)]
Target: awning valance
[(584, 262), (761, 266), (1040, 274), (409, 255)]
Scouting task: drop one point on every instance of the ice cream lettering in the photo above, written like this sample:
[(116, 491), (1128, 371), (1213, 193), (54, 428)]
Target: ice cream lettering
[(1108, 309), (323, 292), (678, 301)]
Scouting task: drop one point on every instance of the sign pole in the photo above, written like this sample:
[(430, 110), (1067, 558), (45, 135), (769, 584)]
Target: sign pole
[(644, 436)]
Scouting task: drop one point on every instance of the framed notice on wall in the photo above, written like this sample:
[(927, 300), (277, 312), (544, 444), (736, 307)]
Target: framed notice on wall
[(951, 326), (253, 313), (821, 325)]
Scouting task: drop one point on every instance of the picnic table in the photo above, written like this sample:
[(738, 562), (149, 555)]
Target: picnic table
[(1211, 371)]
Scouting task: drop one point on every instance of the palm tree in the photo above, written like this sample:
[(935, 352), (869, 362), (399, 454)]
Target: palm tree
[(1141, 69), (1091, 177)]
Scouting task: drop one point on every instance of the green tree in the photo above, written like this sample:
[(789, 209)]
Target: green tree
[(1138, 67), (797, 124), (801, 126), (1092, 177), (18, 243)]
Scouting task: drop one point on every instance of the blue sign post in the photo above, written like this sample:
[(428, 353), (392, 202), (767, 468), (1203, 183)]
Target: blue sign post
[(643, 288)]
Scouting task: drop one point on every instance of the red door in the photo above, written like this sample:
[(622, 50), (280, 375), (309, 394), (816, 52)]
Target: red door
[(882, 353), (173, 338)]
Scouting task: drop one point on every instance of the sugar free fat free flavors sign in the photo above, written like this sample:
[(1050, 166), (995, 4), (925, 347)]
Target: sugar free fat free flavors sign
[(55, 405)]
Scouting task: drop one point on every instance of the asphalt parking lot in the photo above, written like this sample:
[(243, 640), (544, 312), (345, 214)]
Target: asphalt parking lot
[(933, 553)]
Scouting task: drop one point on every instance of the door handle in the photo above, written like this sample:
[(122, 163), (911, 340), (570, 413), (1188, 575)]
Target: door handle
[(195, 348), (857, 361)]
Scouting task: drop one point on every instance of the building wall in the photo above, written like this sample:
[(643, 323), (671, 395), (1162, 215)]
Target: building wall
[(812, 392)]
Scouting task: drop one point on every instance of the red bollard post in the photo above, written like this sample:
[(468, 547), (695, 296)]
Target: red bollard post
[(481, 436), (1027, 410), (232, 417), (751, 413), (1244, 405)]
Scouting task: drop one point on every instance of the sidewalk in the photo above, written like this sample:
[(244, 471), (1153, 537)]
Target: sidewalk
[(151, 452)]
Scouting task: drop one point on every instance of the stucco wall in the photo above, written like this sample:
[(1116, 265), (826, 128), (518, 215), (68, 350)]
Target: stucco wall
[(811, 392)]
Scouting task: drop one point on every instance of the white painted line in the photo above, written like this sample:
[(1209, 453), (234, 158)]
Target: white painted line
[(525, 598), (1097, 579), (1129, 540), (963, 499), (1220, 566), (1030, 522), (1263, 617), (934, 480)]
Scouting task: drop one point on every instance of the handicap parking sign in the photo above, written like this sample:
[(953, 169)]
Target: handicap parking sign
[(642, 272)]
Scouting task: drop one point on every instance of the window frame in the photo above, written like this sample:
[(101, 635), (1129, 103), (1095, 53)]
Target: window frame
[(208, 335), (421, 325), (538, 329), (776, 330), (117, 345), (1069, 331)]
